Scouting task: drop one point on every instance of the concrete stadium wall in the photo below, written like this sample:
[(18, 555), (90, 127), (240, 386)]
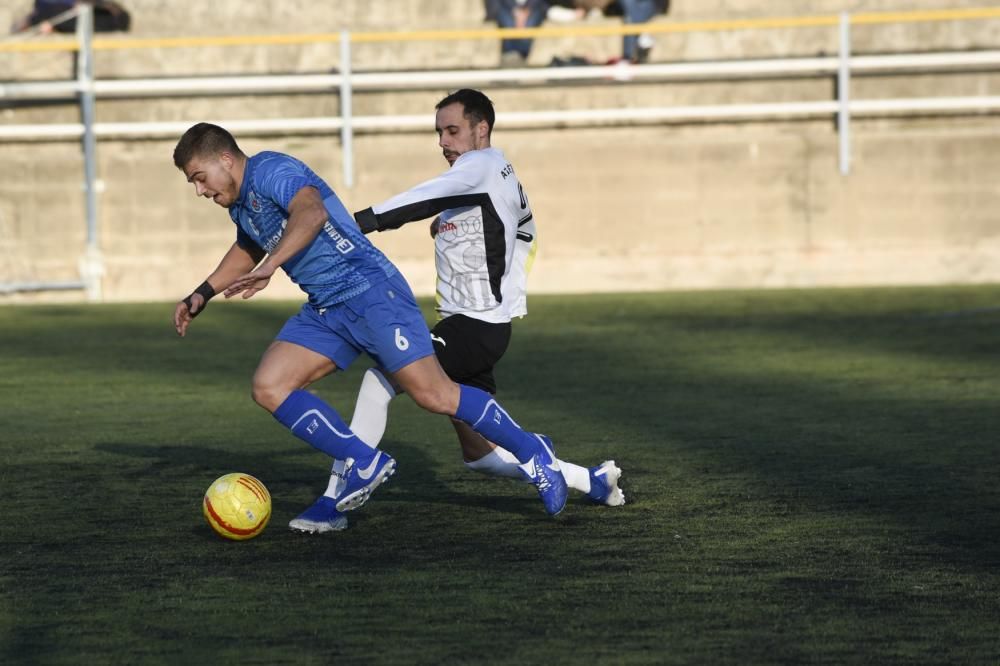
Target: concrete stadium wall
[(619, 208)]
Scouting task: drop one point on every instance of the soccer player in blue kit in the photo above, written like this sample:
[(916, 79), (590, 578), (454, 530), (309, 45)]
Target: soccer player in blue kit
[(485, 241), (286, 216)]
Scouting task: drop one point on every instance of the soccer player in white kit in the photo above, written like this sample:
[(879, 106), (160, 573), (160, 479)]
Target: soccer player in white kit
[(485, 242)]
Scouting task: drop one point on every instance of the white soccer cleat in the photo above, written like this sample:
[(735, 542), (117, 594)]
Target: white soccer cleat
[(604, 484)]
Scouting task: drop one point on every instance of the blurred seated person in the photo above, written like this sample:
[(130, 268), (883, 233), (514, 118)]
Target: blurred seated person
[(516, 14), (109, 16), (636, 48)]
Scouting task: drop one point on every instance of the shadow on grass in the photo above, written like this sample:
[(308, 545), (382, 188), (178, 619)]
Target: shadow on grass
[(844, 408), (287, 475)]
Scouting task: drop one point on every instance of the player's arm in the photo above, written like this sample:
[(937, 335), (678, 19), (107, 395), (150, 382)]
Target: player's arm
[(306, 217), (240, 258), (455, 188)]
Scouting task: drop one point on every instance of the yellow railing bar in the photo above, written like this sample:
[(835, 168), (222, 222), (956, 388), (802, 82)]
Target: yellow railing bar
[(871, 18), (927, 15)]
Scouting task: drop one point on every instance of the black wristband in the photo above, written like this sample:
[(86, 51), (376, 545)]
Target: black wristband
[(367, 221), (206, 292)]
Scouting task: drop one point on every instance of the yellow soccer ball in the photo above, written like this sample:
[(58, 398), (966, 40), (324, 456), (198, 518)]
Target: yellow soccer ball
[(237, 506)]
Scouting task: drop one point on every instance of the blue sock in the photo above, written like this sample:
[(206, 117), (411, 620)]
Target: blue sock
[(317, 423), (485, 415)]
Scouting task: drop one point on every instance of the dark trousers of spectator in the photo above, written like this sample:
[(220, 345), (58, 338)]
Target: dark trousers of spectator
[(635, 11), (505, 19)]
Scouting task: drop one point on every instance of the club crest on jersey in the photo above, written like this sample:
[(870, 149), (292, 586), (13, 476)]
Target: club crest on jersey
[(255, 202)]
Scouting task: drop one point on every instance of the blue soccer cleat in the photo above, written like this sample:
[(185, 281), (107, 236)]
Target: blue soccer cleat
[(321, 517), (544, 473), (361, 479), (604, 484)]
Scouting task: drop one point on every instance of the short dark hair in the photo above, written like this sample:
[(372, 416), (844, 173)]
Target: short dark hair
[(476, 106), (204, 139)]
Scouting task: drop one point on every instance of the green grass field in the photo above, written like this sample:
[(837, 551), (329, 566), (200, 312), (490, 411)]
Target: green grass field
[(812, 476)]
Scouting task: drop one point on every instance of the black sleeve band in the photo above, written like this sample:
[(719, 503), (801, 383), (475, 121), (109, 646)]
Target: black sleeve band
[(367, 220), (204, 290)]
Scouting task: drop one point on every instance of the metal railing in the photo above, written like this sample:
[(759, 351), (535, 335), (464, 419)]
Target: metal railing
[(86, 88)]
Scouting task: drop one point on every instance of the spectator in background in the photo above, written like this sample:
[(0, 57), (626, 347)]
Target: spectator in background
[(531, 14), (636, 48), (516, 14), (109, 16)]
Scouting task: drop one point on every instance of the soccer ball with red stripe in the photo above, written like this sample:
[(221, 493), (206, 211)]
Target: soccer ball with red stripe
[(237, 506)]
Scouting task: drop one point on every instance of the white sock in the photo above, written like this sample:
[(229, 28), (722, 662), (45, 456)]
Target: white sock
[(577, 478), (371, 413), (501, 462), (336, 480), (498, 462)]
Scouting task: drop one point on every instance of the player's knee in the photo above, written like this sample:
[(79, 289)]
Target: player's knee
[(433, 399), (268, 396)]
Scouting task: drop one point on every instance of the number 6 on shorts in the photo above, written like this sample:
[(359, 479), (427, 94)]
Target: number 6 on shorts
[(401, 342)]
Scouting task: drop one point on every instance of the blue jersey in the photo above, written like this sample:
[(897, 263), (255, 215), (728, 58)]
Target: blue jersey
[(339, 264)]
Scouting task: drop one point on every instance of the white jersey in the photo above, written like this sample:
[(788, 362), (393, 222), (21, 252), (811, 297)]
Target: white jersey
[(485, 242)]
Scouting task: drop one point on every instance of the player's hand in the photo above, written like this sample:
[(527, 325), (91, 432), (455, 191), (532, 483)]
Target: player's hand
[(184, 314), (434, 226), (251, 283)]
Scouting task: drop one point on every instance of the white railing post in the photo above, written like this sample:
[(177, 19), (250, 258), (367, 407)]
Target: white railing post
[(844, 94), (91, 263), (346, 130)]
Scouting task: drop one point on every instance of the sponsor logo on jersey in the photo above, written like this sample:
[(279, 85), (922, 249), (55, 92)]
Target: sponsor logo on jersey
[(273, 241), (342, 244), (468, 222)]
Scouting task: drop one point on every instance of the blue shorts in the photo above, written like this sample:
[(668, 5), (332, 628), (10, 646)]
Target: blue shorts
[(384, 321)]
